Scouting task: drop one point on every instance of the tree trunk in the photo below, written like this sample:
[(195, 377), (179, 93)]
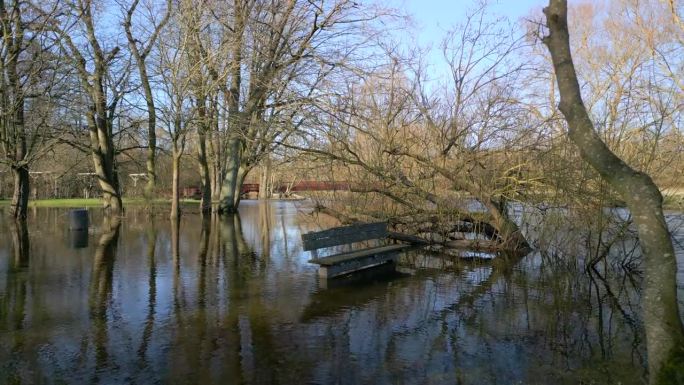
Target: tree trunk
[(265, 179), (109, 181), (508, 232), (215, 155), (175, 184), (242, 174), (205, 177), (230, 191), (151, 158), (150, 162), (19, 205), (664, 331)]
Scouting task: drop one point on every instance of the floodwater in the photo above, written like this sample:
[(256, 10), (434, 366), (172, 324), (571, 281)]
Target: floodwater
[(234, 301)]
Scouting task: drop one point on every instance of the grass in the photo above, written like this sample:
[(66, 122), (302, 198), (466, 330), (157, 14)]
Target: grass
[(92, 202)]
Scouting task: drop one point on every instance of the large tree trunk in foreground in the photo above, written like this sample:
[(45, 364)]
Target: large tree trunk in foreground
[(664, 331), (19, 205)]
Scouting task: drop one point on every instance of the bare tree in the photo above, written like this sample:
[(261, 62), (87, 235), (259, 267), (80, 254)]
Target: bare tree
[(27, 74), (664, 331), (438, 159), (140, 51), (177, 111), (103, 86), (285, 51)]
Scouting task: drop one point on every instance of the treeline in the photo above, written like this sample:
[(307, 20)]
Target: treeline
[(221, 81), (202, 93)]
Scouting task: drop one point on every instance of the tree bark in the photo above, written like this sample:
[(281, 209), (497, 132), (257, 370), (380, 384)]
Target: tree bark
[(13, 134), (664, 331), (175, 183), (205, 177), (19, 205), (230, 191), (265, 179)]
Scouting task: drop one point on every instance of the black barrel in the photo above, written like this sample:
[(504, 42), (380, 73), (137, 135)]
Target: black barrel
[(78, 219)]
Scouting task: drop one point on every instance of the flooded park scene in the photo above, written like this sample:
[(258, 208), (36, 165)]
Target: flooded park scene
[(234, 300), (341, 192)]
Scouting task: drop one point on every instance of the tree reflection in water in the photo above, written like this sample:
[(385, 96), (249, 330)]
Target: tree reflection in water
[(102, 280), (219, 300)]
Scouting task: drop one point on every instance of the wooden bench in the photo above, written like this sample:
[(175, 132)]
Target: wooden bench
[(348, 262)]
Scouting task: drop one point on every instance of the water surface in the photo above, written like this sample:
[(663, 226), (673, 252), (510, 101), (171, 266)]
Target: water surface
[(234, 300)]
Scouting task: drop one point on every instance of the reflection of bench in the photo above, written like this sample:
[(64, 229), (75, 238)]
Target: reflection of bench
[(347, 262)]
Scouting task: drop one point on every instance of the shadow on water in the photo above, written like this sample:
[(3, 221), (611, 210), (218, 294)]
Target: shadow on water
[(232, 299)]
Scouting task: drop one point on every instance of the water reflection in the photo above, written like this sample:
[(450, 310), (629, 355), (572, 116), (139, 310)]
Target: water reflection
[(101, 283), (14, 303), (233, 300)]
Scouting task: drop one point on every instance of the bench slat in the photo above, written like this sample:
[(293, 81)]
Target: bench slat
[(344, 257), (344, 235)]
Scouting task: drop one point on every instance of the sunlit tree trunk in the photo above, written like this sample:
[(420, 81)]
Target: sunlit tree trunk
[(664, 331)]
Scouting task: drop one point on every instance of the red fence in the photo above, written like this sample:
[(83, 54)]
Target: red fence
[(312, 185), (249, 187), (305, 185)]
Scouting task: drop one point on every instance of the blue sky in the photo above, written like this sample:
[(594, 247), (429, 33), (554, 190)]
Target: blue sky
[(433, 17)]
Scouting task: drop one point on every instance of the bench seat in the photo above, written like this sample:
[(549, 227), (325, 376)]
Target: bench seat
[(357, 254)]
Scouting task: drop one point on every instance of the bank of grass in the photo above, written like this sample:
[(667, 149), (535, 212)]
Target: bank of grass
[(94, 202)]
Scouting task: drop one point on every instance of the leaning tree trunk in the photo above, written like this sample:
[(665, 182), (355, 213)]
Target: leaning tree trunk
[(19, 205), (664, 331), (508, 232)]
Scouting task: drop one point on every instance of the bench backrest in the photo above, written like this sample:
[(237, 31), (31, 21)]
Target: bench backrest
[(344, 235)]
